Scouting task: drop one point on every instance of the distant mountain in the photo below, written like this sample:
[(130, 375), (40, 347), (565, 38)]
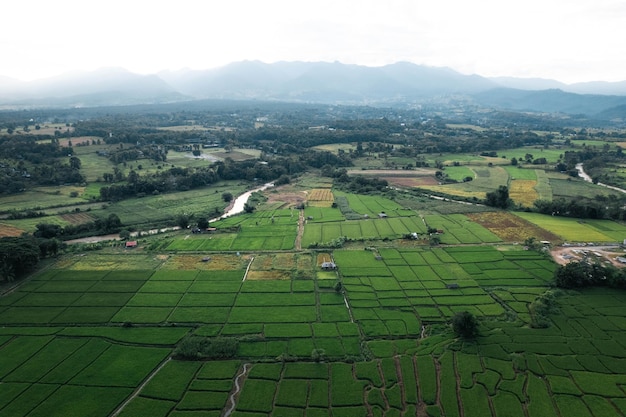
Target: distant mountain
[(549, 101), (594, 87), (324, 82), (106, 86), (528, 83)]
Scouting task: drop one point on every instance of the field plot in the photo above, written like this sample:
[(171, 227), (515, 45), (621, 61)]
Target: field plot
[(372, 206), (568, 188), (458, 228), (265, 230), (320, 197), (185, 388), (382, 292), (376, 228), (523, 192), (511, 228), (577, 230), (486, 179)]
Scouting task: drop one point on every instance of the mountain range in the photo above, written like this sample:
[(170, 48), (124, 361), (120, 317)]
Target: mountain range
[(323, 82)]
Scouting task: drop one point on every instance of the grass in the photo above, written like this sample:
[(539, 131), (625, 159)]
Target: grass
[(572, 229)]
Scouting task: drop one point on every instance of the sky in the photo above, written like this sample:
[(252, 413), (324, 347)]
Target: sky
[(567, 40)]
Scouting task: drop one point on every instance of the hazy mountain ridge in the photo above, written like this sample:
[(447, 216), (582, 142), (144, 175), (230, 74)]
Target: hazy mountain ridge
[(315, 82)]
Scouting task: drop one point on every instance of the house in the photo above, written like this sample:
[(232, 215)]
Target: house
[(329, 265), (131, 244), (452, 286), (382, 215)]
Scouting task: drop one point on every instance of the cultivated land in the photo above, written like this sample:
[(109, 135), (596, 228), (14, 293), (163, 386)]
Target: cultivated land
[(94, 331)]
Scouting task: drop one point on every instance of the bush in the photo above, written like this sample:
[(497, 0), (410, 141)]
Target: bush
[(196, 348), (465, 325)]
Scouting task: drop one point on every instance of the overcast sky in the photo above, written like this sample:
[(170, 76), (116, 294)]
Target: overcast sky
[(567, 40)]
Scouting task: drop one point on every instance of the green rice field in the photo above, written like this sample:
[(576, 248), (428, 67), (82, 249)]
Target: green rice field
[(95, 333)]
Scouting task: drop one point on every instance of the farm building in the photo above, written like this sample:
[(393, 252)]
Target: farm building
[(329, 265), (131, 244)]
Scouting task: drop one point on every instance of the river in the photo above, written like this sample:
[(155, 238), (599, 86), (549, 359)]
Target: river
[(582, 174), (235, 208)]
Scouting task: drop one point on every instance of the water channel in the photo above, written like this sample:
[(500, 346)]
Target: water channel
[(236, 207)]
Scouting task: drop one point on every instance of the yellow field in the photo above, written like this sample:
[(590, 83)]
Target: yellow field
[(454, 191), (267, 275), (321, 194), (217, 262), (321, 197), (523, 192)]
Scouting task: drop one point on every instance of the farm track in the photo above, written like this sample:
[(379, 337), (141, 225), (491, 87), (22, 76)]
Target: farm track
[(298, 243), (232, 398), (140, 387)]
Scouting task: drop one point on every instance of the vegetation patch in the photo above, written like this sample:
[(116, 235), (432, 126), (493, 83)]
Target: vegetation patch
[(511, 228)]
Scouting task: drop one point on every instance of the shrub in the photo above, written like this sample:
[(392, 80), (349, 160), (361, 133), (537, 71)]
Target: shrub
[(465, 325), (196, 347)]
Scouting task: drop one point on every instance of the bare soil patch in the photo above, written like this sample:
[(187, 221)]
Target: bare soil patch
[(10, 231), (511, 228), (77, 218), (216, 262), (268, 275), (563, 255), (411, 182), (287, 197)]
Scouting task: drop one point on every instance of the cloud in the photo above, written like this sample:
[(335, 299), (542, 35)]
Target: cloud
[(568, 40)]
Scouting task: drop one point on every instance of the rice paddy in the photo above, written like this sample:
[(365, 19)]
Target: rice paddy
[(94, 333)]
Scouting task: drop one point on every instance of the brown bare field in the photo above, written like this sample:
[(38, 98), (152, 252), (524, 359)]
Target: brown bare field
[(286, 196), (217, 262), (185, 128), (234, 155), (511, 228), (77, 218), (410, 182), (9, 231), (262, 263), (323, 257), (417, 172), (523, 192), (285, 261), (268, 275)]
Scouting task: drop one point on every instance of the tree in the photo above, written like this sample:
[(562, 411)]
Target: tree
[(227, 197), (18, 255), (75, 162), (499, 198), (183, 219), (465, 325), (203, 223), (248, 208), (513, 161)]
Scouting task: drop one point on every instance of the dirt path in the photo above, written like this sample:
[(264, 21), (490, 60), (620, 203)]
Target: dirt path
[(298, 244), (232, 399), (139, 388)]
